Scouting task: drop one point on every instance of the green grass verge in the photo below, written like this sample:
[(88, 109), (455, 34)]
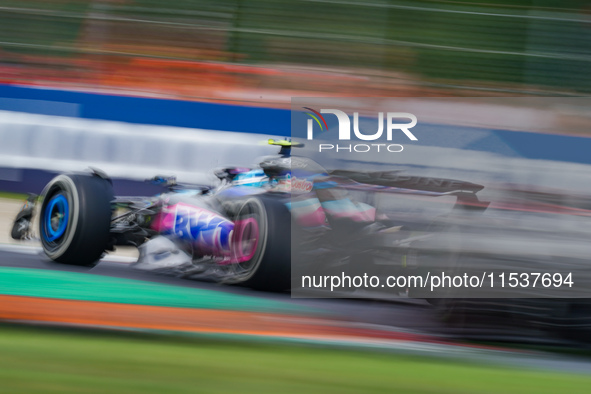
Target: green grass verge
[(35, 360), (13, 196)]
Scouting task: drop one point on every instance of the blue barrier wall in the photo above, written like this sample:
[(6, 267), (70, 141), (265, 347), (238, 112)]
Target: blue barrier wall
[(246, 119), (146, 110), (277, 122)]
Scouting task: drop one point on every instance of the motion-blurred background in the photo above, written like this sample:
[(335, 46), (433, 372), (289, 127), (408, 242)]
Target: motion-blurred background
[(270, 50), (178, 87)]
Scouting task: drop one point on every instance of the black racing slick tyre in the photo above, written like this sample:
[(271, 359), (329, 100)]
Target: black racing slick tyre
[(75, 218), (262, 244), (20, 228)]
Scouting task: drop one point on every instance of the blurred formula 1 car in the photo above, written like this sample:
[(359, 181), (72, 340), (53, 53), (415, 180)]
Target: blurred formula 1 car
[(239, 232), (527, 232)]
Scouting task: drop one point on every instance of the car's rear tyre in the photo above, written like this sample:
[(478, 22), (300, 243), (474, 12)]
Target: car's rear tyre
[(262, 244), (75, 218), (446, 258)]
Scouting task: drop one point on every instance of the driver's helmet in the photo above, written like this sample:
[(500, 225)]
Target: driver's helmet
[(252, 178)]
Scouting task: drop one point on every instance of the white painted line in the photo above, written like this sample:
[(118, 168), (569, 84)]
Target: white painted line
[(22, 249)]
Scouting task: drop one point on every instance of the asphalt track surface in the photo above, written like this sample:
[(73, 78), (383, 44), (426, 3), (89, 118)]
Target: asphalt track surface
[(404, 315)]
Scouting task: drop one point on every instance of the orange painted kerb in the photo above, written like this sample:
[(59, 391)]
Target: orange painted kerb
[(91, 313), (190, 320)]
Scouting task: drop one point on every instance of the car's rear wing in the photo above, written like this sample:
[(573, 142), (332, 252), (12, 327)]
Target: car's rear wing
[(395, 182), (397, 179)]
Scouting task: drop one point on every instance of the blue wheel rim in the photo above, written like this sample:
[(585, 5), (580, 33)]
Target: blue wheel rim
[(57, 205)]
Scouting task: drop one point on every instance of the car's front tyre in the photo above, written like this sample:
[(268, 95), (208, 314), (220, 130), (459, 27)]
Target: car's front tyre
[(75, 218)]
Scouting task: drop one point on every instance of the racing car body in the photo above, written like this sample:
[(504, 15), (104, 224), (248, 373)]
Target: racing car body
[(241, 231)]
